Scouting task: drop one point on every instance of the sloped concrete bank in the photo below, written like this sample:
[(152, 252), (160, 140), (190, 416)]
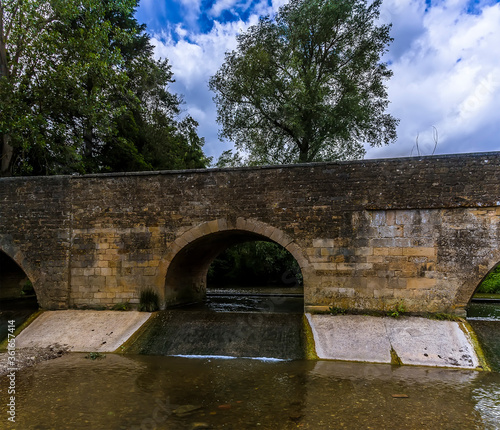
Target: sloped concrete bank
[(82, 331), (406, 340)]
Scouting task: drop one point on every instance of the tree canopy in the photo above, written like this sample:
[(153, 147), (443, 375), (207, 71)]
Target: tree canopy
[(307, 85), (81, 92), (255, 264)]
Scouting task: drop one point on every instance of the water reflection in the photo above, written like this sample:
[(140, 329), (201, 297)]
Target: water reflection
[(484, 311), (149, 392), (484, 317), (15, 309)]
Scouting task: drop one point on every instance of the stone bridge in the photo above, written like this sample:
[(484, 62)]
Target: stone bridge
[(367, 235)]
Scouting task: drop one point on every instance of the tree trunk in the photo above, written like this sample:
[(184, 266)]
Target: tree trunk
[(6, 153), (304, 152), (87, 140)]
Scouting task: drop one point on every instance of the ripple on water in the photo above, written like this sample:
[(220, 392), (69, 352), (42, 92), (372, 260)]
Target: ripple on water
[(131, 392)]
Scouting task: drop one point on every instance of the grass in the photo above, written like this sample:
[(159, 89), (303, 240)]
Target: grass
[(148, 300), (397, 311), (445, 317), (333, 310), (95, 356), (487, 296), (124, 306)]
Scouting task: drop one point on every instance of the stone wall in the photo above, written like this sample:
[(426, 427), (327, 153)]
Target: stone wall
[(367, 234), (35, 219)]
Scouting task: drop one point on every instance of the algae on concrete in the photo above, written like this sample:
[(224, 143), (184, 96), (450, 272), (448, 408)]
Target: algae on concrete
[(471, 335), (309, 344)]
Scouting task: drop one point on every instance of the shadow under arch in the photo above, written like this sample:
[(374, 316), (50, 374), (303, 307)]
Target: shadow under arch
[(18, 299), (192, 253), (13, 272)]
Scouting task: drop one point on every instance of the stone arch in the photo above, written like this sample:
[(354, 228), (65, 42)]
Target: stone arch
[(18, 258), (474, 279), (186, 265)]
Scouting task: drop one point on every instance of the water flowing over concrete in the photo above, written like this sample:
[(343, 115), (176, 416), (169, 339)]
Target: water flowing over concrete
[(233, 334)]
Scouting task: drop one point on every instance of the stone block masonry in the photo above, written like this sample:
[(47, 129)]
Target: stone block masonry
[(368, 235)]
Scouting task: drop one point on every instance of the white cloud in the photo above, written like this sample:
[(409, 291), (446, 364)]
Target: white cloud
[(195, 57), (193, 62), (446, 76), (446, 66), (220, 6)]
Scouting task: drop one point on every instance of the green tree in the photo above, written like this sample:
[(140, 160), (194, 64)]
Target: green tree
[(307, 85), (255, 263), (491, 283), (81, 92)]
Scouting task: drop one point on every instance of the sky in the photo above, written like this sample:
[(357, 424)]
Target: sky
[(445, 59)]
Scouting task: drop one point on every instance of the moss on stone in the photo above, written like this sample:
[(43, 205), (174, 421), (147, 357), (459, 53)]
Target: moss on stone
[(395, 360), (309, 344), (469, 332)]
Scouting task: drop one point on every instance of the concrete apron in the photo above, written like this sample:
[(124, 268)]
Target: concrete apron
[(82, 331), (416, 341)]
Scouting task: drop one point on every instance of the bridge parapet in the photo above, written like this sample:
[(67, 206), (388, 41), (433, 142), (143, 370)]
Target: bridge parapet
[(369, 234)]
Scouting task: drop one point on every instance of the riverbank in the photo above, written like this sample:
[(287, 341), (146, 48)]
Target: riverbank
[(27, 357)]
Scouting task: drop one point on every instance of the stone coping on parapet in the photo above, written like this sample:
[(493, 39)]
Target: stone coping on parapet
[(421, 158), (406, 340)]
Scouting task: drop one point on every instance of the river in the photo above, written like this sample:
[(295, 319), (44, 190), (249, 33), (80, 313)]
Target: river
[(177, 392)]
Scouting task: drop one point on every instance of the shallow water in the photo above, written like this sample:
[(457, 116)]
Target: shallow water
[(484, 311), (131, 392), (151, 392), (235, 334), (15, 309), (485, 320)]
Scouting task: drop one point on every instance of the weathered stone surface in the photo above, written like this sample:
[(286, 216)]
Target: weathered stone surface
[(425, 342), (82, 331), (414, 341), (350, 338), (366, 234)]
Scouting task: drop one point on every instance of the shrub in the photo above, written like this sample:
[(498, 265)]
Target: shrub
[(398, 310), (148, 301)]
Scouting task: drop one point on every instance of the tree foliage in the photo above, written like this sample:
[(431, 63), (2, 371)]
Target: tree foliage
[(307, 85), (81, 92), (255, 264), (491, 283)]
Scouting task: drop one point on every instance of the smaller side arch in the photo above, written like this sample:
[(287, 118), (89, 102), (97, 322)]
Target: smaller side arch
[(186, 264), (475, 278), (17, 258)]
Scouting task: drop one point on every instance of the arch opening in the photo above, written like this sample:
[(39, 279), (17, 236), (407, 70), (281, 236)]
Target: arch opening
[(206, 267), (483, 314), (18, 299), (485, 302)]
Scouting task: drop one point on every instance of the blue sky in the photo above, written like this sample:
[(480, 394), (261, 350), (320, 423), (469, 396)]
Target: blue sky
[(445, 58)]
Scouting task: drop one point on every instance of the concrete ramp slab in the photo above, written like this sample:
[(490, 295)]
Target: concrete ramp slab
[(82, 331), (425, 342), (416, 341), (350, 338)]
